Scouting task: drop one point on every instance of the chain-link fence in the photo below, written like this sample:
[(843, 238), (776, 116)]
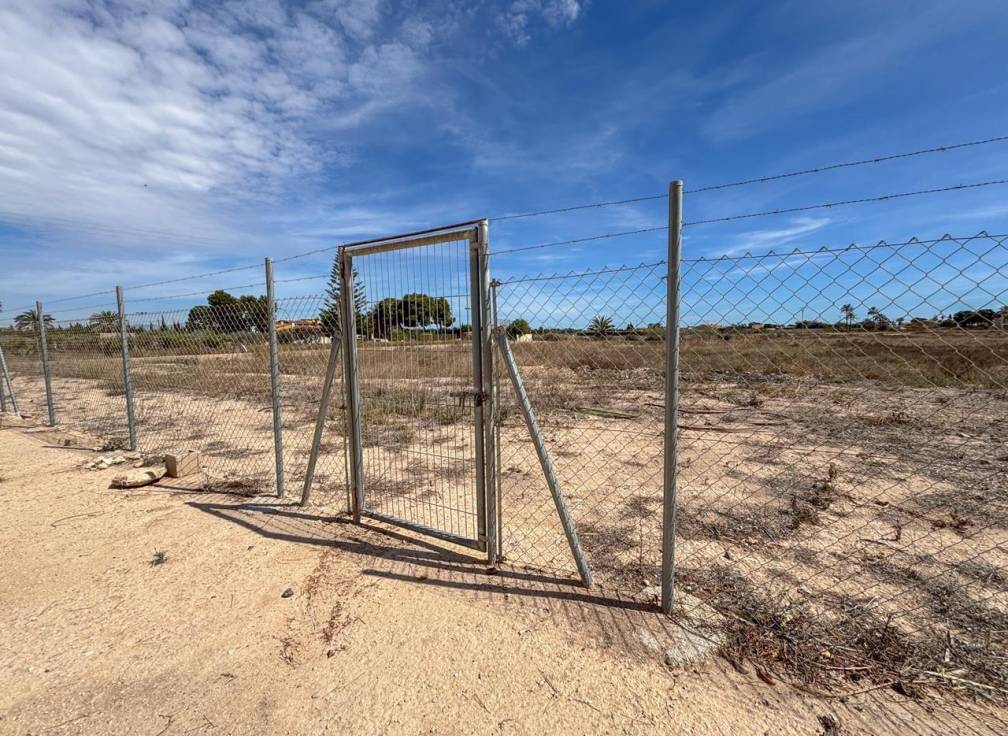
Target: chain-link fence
[(843, 476), (842, 422), (590, 347)]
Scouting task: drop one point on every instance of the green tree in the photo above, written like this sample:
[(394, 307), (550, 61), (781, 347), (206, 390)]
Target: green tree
[(330, 313), (849, 316), (975, 318), (225, 312), (880, 321), (600, 326), (385, 317), (200, 318), (28, 320), (421, 310), (254, 313), (106, 320), (518, 327)]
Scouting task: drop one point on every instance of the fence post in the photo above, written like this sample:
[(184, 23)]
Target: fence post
[(351, 383), (671, 395), (476, 328), (275, 380), (44, 355), (495, 379), (127, 376), (487, 389)]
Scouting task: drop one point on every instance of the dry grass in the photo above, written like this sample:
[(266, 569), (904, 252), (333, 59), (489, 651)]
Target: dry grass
[(841, 501), (841, 641)]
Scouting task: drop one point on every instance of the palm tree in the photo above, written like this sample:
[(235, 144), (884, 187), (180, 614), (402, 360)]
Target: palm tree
[(28, 320), (600, 326), (881, 321), (848, 314), (105, 320)]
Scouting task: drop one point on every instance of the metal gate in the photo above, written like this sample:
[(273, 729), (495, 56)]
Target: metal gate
[(418, 375)]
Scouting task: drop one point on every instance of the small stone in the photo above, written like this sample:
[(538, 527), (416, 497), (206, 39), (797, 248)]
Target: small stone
[(287, 593), (137, 478), (650, 592)]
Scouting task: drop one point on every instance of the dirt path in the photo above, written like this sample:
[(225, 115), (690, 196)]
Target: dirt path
[(382, 634)]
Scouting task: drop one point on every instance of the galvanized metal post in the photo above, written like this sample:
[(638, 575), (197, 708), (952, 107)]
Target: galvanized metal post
[(275, 380), (489, 407), (44, 355), (324, 401), (671, 396), (351, 384), (544, 460), (127, 376), (497, 434), (479, 440)]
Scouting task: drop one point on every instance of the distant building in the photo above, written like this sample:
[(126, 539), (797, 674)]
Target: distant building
[(308, 325)]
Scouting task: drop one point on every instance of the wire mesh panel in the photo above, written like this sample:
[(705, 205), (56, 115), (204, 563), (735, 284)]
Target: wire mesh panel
[(201, 382), (20, 348), (307, 327), (843, 472), (590, 348), (85, 362), (415, 353)]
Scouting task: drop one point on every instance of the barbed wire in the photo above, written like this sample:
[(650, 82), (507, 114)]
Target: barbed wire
[(605, 236), (573, 208), (844, 202), (127, 230), (581, 274), (755, 180), (169, 297), (957, 239), (749, 215)]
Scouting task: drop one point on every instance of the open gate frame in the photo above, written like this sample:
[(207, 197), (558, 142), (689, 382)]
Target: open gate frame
[(462, 508), (379, 486)]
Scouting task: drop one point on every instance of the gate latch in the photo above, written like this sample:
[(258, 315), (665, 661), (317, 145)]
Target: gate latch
[(479, 397)]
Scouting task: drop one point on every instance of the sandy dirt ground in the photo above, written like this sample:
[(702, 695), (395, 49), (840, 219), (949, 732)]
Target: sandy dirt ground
[(381, 633)]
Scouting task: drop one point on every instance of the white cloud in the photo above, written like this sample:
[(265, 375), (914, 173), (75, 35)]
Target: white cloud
[(165, 115), (770, 239), (521, 15)]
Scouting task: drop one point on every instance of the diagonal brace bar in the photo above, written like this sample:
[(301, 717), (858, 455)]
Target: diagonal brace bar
[(544, 460), (324, 401), (10, 385)]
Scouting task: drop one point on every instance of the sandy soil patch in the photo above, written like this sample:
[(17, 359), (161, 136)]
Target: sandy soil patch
[(382, 633)]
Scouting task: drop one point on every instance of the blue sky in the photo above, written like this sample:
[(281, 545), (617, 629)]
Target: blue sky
[(149, 141)]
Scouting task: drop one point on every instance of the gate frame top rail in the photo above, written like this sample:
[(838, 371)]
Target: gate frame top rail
[(460, 231)]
